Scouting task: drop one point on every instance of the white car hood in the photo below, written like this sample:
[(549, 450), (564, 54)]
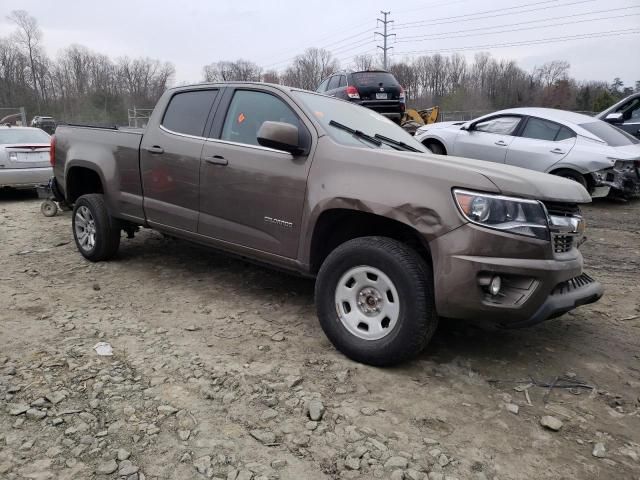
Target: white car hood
[(440, 126)]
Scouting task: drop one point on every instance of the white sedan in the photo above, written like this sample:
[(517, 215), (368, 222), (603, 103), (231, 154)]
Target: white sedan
[(24, 157), (603, 158)]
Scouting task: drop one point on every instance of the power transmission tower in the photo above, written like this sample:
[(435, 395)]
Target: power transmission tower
[(385, 36)]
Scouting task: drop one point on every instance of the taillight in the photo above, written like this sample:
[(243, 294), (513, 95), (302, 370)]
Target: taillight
[(352, 92), (52, 151)]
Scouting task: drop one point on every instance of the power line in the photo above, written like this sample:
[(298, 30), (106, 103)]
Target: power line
[(583, 36), (459, 19), (445, 37), (385, 36)]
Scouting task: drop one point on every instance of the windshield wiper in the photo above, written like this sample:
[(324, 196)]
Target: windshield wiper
[(396, 143), (356, 133)]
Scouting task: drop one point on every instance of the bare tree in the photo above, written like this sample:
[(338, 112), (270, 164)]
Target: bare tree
[(553, 71), (238, 70), (364, 62), (271, 76), (28, 36), (310, 68)]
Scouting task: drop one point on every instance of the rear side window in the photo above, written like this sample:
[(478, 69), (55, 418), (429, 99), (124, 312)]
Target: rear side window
[(367, 79), (343, 81), (323, 86), (334, 82), (499, 125), (539, 129), (188, 111)]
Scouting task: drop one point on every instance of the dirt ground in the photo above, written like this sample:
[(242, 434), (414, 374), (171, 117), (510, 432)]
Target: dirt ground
[(218, 364)]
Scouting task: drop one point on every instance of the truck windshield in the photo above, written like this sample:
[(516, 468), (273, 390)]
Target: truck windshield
[(326, 110)]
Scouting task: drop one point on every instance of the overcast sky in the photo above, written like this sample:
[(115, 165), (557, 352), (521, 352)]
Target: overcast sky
[(192, 33)]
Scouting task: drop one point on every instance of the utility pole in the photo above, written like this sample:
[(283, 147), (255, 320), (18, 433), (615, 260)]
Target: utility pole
[(385, 36)]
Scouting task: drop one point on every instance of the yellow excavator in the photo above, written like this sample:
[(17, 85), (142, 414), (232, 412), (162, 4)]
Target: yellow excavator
[(413, 119)]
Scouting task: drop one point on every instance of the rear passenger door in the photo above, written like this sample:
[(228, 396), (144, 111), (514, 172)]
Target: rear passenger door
[(250, 195), (540, 145), (170, 160)]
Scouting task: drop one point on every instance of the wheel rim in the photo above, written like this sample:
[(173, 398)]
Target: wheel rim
[(85, 227), (367, 303), (47, 208)]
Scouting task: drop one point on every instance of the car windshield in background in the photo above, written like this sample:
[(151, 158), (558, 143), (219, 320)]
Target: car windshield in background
[(366, 79), (610, 134), (17, 135), (326, 109)]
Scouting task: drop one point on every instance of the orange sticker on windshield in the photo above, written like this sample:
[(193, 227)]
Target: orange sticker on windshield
[(241, 118)]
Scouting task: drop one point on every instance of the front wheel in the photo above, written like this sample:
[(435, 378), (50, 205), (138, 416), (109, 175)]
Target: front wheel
[(96, 233), (573, 175), (374, 298)]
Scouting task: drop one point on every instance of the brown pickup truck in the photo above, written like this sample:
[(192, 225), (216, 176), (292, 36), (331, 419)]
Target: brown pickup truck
[(396, 237)]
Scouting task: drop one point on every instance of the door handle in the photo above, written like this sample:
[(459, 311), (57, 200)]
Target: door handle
[(216, 160), (501, 143), (557, 150), (156, 149)]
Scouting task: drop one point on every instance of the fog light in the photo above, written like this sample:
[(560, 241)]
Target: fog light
[(495, 285)]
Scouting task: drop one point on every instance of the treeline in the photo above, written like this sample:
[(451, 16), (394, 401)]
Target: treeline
[(78, 85), (81, 85)]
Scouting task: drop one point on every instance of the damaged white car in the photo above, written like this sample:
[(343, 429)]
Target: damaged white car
[(603, 158)]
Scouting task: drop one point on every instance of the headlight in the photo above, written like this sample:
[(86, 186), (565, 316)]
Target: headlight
[(513, 215)]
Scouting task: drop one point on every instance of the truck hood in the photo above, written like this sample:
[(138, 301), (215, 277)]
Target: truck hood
[(509, 180)]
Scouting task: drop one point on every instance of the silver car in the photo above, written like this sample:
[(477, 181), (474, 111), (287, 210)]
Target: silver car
[(24, 157), (601, 157)]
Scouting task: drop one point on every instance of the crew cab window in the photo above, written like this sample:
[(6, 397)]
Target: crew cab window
[(249, 110), (539, 129), (334, 82), (498, 125), (188, 111)]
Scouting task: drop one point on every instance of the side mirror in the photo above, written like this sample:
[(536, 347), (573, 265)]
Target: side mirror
[(467, 127), (280, 136), (617, 117)]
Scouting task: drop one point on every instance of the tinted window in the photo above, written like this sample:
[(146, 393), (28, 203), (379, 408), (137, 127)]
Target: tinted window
[(498, 125), (325, 109), (23, 135), (249, 110), (544, 130), (333, 83), (364, 79), (565, 133), (631, 110), (608, 133), (187, 111), (343, 81)]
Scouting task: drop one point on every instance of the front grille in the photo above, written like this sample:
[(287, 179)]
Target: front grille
[(572, 284), (562, 209), (562, 243)]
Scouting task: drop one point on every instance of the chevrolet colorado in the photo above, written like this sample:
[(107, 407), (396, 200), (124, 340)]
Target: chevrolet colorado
[(395, 236)]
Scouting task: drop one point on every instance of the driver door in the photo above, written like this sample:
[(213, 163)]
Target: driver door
[(252, 195), (488, 139)]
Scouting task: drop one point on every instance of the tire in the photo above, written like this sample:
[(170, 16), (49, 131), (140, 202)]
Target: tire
[(49, 208), (573, 175), (407, 318), (435, 148), (96, 233)]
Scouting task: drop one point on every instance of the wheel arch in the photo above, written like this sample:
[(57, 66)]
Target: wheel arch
[(82, 179), (336, 226)]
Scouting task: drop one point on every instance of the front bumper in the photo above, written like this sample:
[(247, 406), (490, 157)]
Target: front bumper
[(25, 177), (534, 278)]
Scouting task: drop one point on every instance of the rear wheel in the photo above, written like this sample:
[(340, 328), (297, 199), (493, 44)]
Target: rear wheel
[(49, 208), (573, 175), (374, 297), (96, 233)]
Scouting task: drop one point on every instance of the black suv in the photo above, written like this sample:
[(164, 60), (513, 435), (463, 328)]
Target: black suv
[(375, 89)]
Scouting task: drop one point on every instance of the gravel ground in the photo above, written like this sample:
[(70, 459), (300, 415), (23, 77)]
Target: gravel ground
[(220, 370)]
